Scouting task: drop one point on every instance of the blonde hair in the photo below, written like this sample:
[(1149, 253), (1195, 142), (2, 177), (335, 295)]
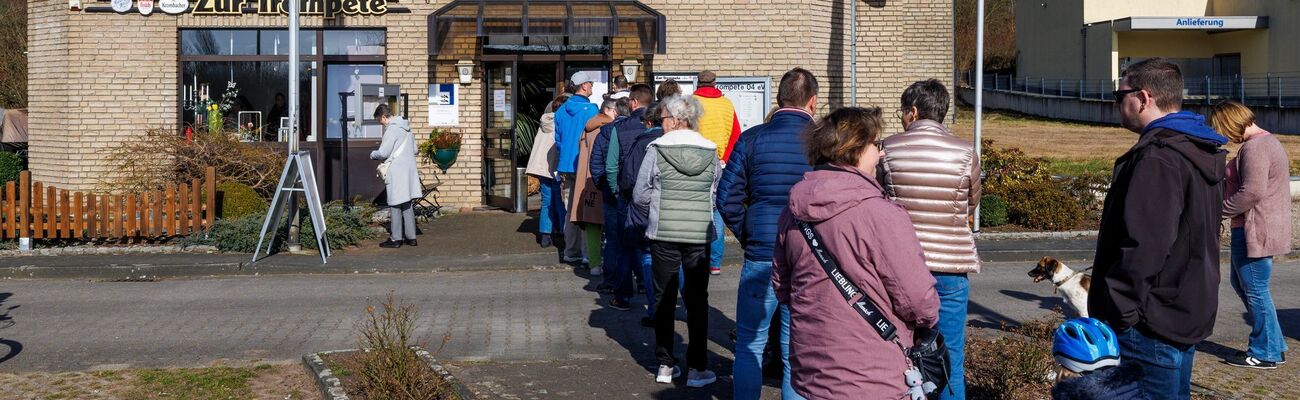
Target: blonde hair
[(839, 138), (1231, 119)]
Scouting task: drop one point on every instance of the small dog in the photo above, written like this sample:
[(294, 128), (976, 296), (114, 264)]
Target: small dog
[(1072, 285)]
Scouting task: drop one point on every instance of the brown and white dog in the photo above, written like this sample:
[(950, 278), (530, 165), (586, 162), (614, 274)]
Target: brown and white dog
[(1072, 285)]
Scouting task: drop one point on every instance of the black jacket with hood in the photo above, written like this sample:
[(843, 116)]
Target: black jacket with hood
[(1157, 262)]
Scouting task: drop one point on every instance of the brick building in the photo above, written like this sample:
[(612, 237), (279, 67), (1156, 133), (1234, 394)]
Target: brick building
[(99, 77)]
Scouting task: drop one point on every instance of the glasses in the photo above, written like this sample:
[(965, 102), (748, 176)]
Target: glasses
[(1118, 95), (880, 144)]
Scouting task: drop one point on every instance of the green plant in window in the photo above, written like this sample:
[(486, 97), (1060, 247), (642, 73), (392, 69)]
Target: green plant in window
[(528, 120)]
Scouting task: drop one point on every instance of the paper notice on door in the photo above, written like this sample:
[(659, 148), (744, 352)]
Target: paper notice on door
[(498, 100)]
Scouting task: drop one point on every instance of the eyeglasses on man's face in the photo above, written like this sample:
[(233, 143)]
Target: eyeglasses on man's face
[(1118, 95)]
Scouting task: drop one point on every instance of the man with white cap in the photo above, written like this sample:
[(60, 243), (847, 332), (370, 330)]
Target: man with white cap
[(570, 121)]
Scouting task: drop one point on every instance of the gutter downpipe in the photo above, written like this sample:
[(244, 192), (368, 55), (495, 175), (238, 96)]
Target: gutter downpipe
[(979, 93)]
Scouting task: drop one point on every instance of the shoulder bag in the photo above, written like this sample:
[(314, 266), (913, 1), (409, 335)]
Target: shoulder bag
[(928, 354), (383, 166)]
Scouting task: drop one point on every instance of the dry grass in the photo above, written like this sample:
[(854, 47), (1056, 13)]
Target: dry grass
[(1069, 141), (286, 381)]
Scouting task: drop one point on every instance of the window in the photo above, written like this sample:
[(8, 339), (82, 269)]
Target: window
[(276, 42), (353, 42), (223, 42)]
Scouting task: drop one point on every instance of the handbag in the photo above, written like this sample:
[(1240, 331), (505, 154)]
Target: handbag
[(383, 166), (928, 354)]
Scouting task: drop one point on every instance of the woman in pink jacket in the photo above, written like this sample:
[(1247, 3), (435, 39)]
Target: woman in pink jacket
[(834, 353)]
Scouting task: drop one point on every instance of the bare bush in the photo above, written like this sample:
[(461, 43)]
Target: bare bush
[(388, 368), (161, 156)]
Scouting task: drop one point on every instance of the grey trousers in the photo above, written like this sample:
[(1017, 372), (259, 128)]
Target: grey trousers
[(573, 236), (401, 221)]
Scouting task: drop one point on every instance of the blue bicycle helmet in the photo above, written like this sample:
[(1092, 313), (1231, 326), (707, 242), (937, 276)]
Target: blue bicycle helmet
[(1085, 344)]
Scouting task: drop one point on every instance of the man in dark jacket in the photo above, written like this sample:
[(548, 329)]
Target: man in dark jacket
[(606, 150), (765, 163), (1156, 276), (635, 223)]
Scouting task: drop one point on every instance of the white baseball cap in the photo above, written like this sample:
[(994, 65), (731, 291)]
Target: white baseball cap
[(582, 77)]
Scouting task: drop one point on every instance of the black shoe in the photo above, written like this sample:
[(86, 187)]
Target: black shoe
[(647, 322), (390, 244), (411, 242), (545, 241), (603, 289), (620, 305), (1246, 361)]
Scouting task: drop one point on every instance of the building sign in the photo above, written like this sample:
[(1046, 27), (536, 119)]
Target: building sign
[(752, 97), (444, 104), (326, 8), (121, 5), (174, 6), (146, 7), (1191, 23), (686, 81)]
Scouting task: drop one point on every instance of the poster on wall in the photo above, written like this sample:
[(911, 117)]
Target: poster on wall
[(444, 104), (146, 7), (686, 80), (499, 100), (600, 86), (121, 5), (173, 6), (752, 97)]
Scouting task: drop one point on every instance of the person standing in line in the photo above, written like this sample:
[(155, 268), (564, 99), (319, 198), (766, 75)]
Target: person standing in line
[(674, 190), (618, 88), (541, 164), (834, 352), (936, 177), (570, 121), (668, 88), (615, 140), (588, 209), (767, 161), (1156, 272), (1257, 197), (635, 223), (402, 184), (720, 125)]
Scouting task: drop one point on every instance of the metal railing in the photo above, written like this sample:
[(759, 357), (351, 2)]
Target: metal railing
[(1265, 90)]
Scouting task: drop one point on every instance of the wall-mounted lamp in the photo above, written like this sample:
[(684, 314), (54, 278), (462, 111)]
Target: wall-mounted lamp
[(74, 5), (630, 68), (465, 68)]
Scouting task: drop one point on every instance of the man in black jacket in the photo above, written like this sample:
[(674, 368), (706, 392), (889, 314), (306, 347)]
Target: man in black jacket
[(1157, 264)]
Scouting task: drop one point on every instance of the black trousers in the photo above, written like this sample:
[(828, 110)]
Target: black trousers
[(666, 259)]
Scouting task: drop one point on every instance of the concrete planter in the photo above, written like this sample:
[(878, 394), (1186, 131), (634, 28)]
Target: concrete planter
[(332, 388)]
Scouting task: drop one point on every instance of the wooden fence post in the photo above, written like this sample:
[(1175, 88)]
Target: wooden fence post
[(38, 211), (78, 220), (210, 176), (131, 217), (196, 209), (92, 227)]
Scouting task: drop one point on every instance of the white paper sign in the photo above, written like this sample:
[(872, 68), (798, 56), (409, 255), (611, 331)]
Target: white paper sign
[(499, 100), (444, 104), (173, 6), (751, 96), (121, 5), (686, 81), (146, 7)]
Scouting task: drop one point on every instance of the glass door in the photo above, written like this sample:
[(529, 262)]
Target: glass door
[(499, 161)]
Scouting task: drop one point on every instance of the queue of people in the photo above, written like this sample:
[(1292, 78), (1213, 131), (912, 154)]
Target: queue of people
[(663, 172)]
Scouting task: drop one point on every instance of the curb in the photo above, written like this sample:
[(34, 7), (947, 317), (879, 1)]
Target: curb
[(1034, 235), (331, 388)]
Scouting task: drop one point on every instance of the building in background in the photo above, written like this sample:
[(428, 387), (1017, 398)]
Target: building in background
[(107, 71)]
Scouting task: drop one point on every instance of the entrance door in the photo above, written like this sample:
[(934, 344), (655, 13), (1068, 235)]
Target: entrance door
[(499, 161), (361, 180)]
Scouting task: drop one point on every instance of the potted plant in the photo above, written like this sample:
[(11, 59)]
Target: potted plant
[(442, 148)]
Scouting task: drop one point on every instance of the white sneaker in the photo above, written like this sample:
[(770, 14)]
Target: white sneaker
[(572, 259), (666, 374), (696, 378), (597, 271)]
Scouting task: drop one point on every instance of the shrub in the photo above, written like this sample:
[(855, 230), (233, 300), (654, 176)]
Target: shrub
[(1043, 205), (346, 228), (1009, 167), (1014, 366), (238, 200), (993, 210), (388, 368), (10, 165), (162, 156), (1088, 190)]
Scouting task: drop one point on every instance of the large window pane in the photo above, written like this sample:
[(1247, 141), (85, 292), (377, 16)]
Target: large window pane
[(345, 78), (276, 42), (261, 89), (218, 42), (353, 42)]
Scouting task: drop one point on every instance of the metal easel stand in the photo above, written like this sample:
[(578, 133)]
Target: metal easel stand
[(296, 179)]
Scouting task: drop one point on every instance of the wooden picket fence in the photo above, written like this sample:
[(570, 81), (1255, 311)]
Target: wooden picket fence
[(34, 210)]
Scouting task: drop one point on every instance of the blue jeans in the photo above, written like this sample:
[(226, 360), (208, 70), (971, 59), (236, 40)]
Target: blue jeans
[(719, 243), (552, 206), (618, 260), (1250, 280), (1166, 368), (954, 293), (755, 303)]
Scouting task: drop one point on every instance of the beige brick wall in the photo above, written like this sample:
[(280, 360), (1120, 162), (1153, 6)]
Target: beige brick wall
[(91, 90)]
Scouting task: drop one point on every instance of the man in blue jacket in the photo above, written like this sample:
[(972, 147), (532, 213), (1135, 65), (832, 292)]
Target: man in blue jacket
[(570, 120), (766, 161), (606, 151)]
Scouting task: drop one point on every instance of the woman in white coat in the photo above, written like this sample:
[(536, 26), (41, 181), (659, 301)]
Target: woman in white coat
[(541, 164), (403, 181)]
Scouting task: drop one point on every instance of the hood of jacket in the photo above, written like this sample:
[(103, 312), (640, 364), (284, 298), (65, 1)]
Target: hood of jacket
[(686, 151), (828, 191), (1187, 123), (708, 91), (1205, 156), (399, 122), (548, 119), (574, 107)]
